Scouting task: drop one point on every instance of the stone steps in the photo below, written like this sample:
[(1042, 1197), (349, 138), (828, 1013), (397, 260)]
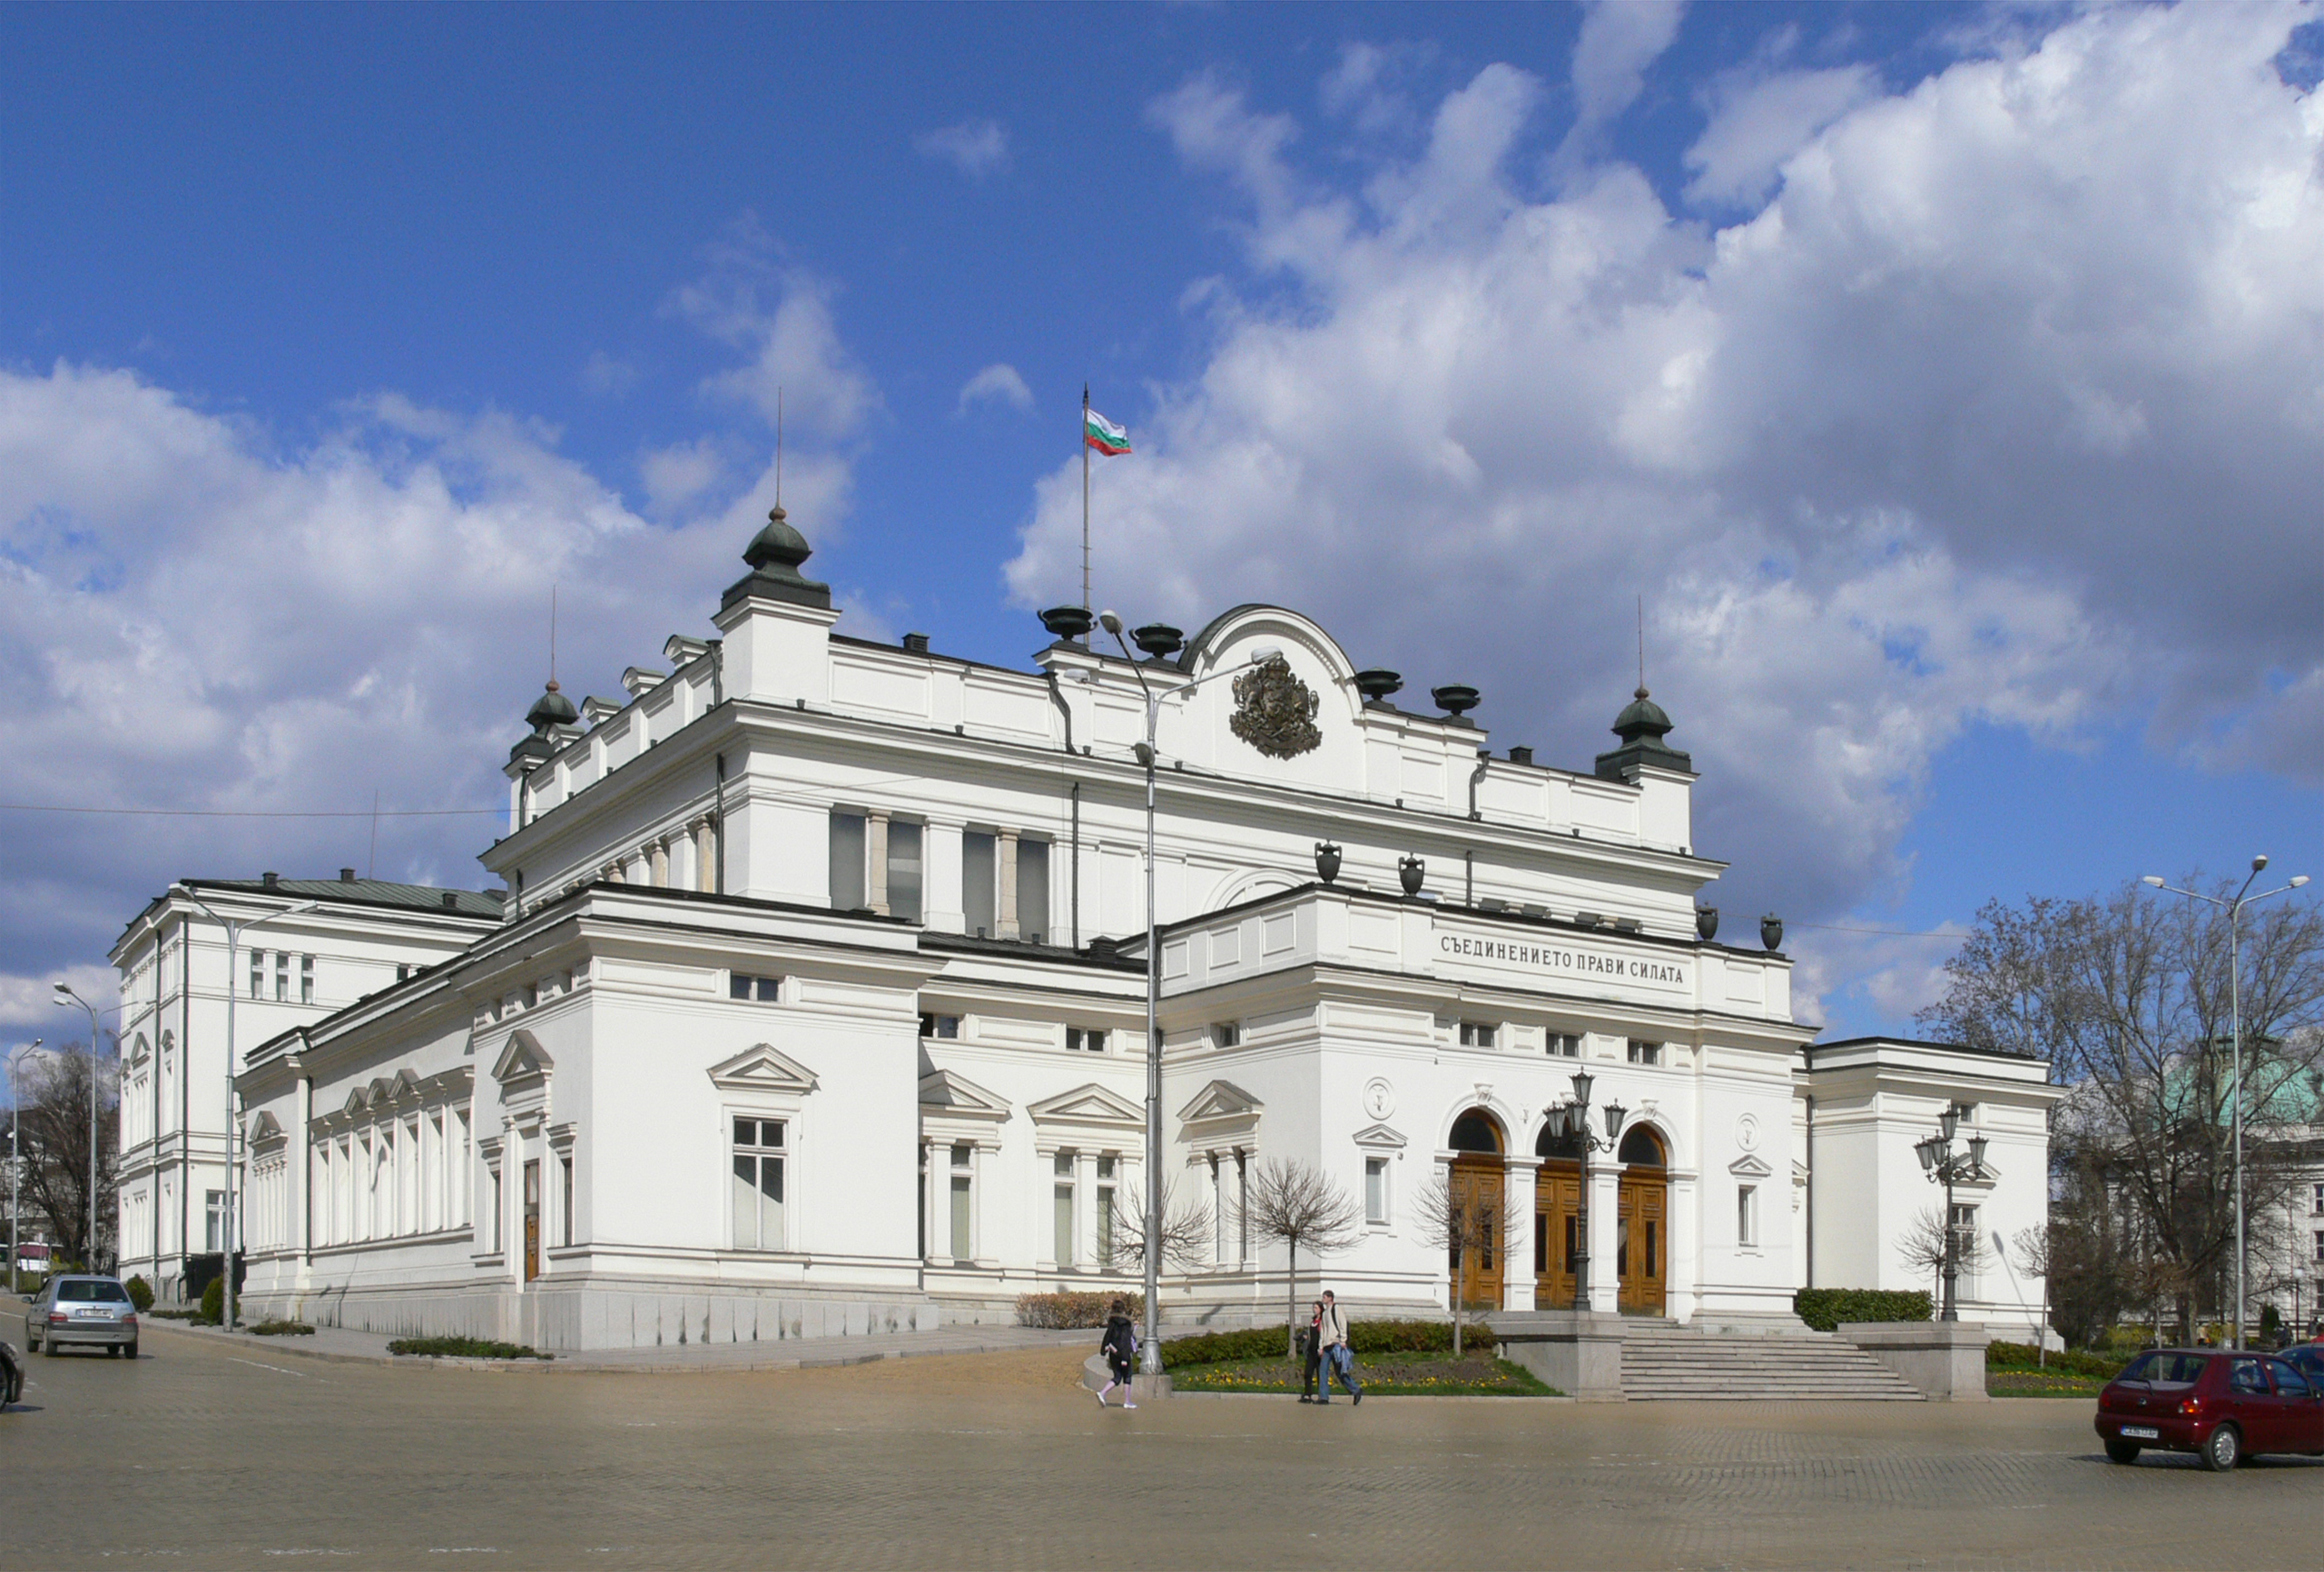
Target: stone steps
[(1661, 1361)]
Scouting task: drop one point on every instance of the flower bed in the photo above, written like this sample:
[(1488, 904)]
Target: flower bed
[(464, 1348), (1392, 1375)]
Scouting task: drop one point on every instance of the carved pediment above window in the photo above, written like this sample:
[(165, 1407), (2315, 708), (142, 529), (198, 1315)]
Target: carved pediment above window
[(763, 1068), (264, 1130), (1379, 1137), (1749, 1167), (1091, 1105), (954, 1095), (1221, 1100), (524, 1059)]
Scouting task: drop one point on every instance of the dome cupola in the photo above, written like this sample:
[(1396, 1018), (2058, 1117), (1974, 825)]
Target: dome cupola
[(1642, 725), (774, 555)]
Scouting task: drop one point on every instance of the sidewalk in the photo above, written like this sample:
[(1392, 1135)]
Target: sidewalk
[(342, 1345)]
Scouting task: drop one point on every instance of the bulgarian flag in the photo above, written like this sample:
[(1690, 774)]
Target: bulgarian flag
[(1103, 435)]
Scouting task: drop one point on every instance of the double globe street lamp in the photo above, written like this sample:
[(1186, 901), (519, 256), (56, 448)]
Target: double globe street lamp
[(1946, 1167), (1571, 1122)]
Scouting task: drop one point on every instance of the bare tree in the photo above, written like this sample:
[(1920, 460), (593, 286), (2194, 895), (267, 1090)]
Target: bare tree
[(1469, 1223), (1186, 1231), (53, 1132), (1303, 1207), (1922, 1247), (2128, 996)]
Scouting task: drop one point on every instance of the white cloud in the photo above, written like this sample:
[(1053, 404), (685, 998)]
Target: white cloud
[(976, 148), (605, 376), (1619, 40), (1758, 121), (2004, 407), (676, 477), (997, 383)]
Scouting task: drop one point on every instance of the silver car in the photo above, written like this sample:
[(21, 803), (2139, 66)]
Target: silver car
[(93, 1310)]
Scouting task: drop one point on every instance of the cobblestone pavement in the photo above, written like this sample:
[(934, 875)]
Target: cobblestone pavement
[(210, 1453)]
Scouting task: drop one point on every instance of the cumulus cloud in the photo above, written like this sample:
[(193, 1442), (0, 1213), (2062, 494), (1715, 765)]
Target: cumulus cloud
[(2003, 406), (996, 384), (976, 148), (1619, 40)]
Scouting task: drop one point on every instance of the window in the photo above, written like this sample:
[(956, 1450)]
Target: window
[(1477, 1034), (306, 979), (2316, 1202), (742, 985), (1061, 1209), (758, 1184), (1565, 1045), (945, 1027), (1747, 1216), (1376, 1191), (565, 1200), (257, 974), (496, 1209), (980, 883), (2243, 1376), (2289, 1381), (1033, 889), (1644, 1052), (213, 1220), (847, 862), (2320, 1244), (1105, 1210), (1085, 1039), (904, 870), (281, 977), (963, 1207), (1226, 1034)]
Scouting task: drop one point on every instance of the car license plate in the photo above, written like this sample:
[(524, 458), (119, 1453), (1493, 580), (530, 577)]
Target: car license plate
[(2141, 1433)]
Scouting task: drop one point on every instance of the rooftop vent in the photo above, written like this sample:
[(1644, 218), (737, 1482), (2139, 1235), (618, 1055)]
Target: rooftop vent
[(451, 899), (917, 643), (1520, 755), (271, 880), (346, 875)]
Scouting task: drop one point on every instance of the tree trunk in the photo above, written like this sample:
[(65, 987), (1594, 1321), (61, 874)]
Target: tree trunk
[(1291, 1304), (1460, 1294)]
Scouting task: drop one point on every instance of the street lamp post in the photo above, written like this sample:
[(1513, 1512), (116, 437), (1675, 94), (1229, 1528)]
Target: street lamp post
[(15, 1183), (1946, 1167), (235, 928), (2234, 910), (1572, 1120), (65, 995), (1151, 1358)]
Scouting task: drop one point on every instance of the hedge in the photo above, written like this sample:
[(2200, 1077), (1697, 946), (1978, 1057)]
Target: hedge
[(281, 1329), (1365, 1337), (214, 1301), (1073, 1311), (1825, 1308), (140, 1294), (464, 1348), (2023, 1356)]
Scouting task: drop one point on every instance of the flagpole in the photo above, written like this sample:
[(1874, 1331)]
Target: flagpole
[(1085, 498)]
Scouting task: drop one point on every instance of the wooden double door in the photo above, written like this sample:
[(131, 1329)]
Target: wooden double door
[(1641, 1238), (1476, 1270)]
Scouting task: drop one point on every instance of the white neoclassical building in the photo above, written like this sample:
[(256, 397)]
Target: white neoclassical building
[(814, 1000)]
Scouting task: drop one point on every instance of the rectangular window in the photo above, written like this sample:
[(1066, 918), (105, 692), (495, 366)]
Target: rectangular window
[(758, 1184), (2320, 1245), (1477, 1034), (281, 977), (980, 884), (1747, 1216), (1376, 1190), (496, 1209), (565, 1200), (213, 1220), (942, 1027), (1033, 890), (1645, 1052), (1061, 1210), (1085, 1039), (1226, 1034), (1243, 1204), (847, 864), (2316, 1202), (1565, 1045), (1105, 1210), (257, 974), (306, 979), (743, 985), (904, 870), (963, 1210)]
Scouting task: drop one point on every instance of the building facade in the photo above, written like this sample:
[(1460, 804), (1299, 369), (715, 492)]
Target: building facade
[(817, 998)]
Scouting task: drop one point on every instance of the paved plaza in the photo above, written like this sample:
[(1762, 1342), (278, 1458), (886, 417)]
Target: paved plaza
[(239, 1453)]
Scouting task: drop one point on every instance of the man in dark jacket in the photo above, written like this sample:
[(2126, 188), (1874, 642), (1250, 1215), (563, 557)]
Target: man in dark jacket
[(1121, 1350)]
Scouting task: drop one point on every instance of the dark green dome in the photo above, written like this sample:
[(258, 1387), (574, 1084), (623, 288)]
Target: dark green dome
[(778, 542), (1642, 718), (552, 709), (774, 555), (1641, 726)]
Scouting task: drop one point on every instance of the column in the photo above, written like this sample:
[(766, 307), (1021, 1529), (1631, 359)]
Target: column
[(611, 873), (941, 901), (659, 874), (1085, 1209), (875, 847), (705, 855), (1683, 1267), (302, 1140), (1005, 885), (1605, 1220), (1517, 1281)]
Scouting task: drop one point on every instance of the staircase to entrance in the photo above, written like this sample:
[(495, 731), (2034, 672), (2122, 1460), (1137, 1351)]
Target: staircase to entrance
[(1701, 1362)]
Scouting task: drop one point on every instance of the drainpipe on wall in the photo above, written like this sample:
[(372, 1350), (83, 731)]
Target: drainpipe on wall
[(1057, 697), (718, 830), (1468, 878), (1484, 763), (1810, 1207)]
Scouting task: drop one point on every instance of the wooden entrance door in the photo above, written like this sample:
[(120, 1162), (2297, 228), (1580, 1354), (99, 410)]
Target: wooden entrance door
[(532, 1219), (1642, 1243), (1557, 1206), (1476, 1272)]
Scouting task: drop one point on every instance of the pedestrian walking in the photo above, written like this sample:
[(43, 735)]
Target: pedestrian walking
[(1338, 1358), (1310, 1352), (1121, 1350)]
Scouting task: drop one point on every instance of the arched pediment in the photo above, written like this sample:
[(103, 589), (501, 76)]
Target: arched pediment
[(762, 1068)]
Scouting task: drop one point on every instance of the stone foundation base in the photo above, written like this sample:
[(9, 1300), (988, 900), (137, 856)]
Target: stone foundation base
[(1577, 1351), (1945, 1359)]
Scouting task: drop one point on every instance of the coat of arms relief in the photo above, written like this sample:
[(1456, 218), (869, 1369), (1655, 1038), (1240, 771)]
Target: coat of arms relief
[(1275, 711)]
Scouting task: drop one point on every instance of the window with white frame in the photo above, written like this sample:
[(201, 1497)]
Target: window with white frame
[(257, 974), (1747, 1216), (1106, 1175), (306, 979), (1478, 1034), (213, 1220), (2320, 1244), (1061, 1209), (1226, 1034), (1085, 1039), (848, 842), (281, 977), (497, 1210), (758, 1184), (1642, 1052), (2316, 1202), (746, 985), (942, 1027), (565, 1201), (1563, 1045), (1376, 1191), (963, 1195)]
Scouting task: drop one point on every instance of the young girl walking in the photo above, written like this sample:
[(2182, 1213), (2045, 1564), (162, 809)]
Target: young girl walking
[(1121, 1350)]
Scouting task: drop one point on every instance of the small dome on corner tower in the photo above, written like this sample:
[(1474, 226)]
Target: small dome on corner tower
[(777, 543), (551, 710), (774, 555), (1642, 717), (1642, 725)]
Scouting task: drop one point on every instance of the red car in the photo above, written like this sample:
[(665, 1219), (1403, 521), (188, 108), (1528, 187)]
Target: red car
[(2220, 1405)]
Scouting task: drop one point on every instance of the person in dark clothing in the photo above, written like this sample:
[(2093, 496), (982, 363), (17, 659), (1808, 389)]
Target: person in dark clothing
[(1121, 1350), (1310, 1352)]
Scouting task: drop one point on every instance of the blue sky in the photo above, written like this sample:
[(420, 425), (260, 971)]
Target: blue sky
[(1943, 377)]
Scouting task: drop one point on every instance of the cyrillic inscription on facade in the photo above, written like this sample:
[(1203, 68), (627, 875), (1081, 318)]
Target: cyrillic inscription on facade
[(1563, 960)]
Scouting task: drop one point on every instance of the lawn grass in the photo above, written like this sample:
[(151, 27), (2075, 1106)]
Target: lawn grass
[(1388, 1375)]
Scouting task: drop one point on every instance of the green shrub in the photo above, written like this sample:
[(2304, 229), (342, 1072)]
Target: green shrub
[(281, 1329), (1367, 1338), (1825, 1308), (173, 1313), (140, 1294), (214, 1301), (1074, 1310), (2024, 1356), (464, 1348)]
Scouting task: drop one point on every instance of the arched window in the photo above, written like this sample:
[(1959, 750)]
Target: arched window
[(1642, 1148), (1475, 1131), (1567, 1146)]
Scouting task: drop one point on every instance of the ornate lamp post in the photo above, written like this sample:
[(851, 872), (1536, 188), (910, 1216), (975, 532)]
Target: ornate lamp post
[(65, 995), (1945, 1167), (2234, 910), (15, 1117), (1572, 1121)]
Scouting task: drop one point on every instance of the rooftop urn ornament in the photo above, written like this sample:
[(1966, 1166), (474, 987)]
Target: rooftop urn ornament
[(1159, 640), (1410, 872), (1275, 711), (1327, 861), (1707, 923), (1771, 931), (1378, 685), (1068, 622), (1455, 699)]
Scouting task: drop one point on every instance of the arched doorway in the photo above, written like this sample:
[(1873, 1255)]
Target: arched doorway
[(1642, 1237), (1477, 1186), (1557, 1210)]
